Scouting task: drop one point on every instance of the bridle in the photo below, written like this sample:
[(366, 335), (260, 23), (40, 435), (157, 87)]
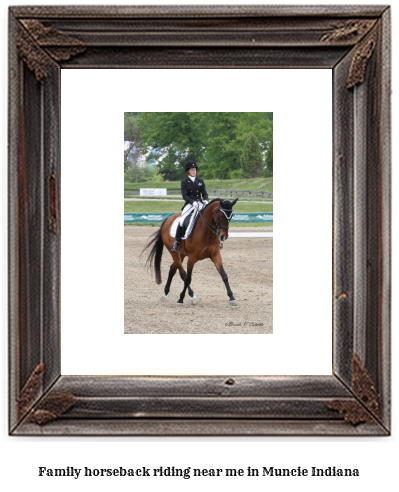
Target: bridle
[(215, 228)]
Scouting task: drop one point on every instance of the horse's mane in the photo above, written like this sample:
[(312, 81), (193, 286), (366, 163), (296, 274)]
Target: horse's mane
[(210, 203), (215, 200)]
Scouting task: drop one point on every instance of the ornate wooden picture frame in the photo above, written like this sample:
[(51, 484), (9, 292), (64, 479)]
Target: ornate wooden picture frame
[(352, 41)]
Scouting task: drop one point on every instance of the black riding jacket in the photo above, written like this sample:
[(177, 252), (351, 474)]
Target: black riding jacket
[(192, 190)]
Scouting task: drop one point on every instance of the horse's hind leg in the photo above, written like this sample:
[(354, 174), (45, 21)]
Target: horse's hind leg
[(172, 271), (183, 276), (187, 282)]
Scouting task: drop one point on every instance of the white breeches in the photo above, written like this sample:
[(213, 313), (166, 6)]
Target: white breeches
[(187, 211)]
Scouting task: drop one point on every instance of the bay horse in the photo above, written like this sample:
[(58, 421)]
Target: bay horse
[(211, 228)]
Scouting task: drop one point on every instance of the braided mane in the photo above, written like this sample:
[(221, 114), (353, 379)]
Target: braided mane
[(218, 200)]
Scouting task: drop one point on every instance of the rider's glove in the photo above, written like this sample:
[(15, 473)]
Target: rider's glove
[(206, 202), (195, 204)]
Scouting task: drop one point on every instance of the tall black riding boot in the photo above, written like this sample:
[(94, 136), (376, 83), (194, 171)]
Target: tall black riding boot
[(176, 244)]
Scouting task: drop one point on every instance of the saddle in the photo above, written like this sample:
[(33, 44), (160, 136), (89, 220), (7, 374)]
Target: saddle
[(188, 225)]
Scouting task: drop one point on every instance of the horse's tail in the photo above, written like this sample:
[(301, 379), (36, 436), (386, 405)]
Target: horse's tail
[(154, 258)]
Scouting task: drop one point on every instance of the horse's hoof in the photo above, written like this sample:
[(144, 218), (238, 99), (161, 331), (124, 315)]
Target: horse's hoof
[(194, 301), (163, 298), (233, 303), (179, 304)]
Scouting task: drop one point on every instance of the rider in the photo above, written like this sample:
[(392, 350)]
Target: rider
[(191, 189)]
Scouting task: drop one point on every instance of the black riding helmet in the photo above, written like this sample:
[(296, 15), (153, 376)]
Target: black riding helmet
[(189, 164)]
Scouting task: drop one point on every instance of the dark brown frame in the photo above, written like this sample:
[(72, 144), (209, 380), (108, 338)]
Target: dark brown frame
[(353, 41)]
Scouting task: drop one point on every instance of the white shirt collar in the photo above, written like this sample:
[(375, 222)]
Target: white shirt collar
[(192, 178)]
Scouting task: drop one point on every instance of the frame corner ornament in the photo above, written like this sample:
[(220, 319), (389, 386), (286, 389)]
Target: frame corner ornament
[(52, 407), (351, 31), (39, 46), (366, 407), (30, 391), (364, 387), (361, 56)]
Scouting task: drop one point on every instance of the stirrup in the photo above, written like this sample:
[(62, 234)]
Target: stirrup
[(176, 246)]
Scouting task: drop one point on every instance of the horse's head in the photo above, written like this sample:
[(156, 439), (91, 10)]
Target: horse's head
[(225, 214), (221, 212)]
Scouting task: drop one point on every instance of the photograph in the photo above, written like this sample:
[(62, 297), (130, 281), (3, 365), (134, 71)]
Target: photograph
[(198, 179)]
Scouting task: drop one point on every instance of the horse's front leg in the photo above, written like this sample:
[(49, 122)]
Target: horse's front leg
[(187, 281), (217, 260)]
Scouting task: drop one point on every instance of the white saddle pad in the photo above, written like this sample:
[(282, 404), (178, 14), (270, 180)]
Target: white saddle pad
[(189, 228)]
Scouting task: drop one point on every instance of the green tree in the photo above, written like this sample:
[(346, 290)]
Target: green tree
[(215, 140), (269, 160), (130, 126), (251, 157), (220, 153), (225, 139), (133, 150), (171, 139), (137, 174)]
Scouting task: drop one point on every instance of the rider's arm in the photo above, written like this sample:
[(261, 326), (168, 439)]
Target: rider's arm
[(204, 193)]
